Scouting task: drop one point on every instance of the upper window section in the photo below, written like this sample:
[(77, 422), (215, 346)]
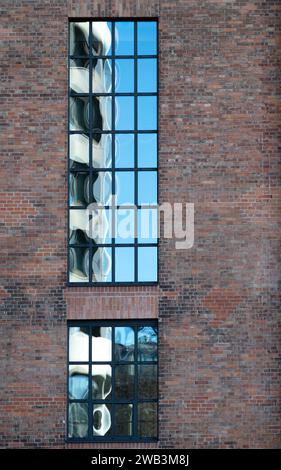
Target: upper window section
[(112, 152)]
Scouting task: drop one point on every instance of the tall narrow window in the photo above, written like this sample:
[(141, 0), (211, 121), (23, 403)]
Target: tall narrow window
[(113, 152), (112, 381)]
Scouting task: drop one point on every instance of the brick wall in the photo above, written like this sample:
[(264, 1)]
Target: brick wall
[(218, 303)]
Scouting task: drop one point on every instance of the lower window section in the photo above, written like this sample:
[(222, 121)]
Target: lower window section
[(112, 381)]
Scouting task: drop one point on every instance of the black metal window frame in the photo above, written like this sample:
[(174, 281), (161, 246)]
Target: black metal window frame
[(135, 324), (91, 171)]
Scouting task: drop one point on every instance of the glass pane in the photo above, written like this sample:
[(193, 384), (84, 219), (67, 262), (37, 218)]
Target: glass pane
[(78, 189), (79, 78), (102, 265), (101, 37), (124, 150), (147, 225), (101, 344), (102, 187), (125, 187), (78, 226), (102, 420), (78, 344), (102, 76), (78, 381), (124, 342), (124, 264), (78, 264), (147, 187), (124, 420), (79, 150), (124, 113), (147, 419), (124, 73), (147, 113), (147, 38), (79, 113), (101, 381), (102, 151), (147, 150), (78, 420), (147, 75), (79, 39), (124, 38), (124, 382), (100, 225), (147, 381), (125, 226), (147, 343), (147, 264), (102, 113)]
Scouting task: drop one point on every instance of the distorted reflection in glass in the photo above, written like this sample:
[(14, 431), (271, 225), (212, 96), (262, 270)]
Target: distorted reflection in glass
[(101, 344), (147, 419), (124, 38), (78, 344), (79, 150), (102, 151), (102, 187), (147, 264), (124, 382), (124, 264), (102, 265), (147, 37), (125, 226), (124, 342), (79, 38), (124, 419), (102, 419), (78, 226), (78, 264), (100, 225), (78, 420), (147, 113), (147, 150), (125, 75), (147, 343), (124, 182), (124, 113), (147, 187), (78, 381), (79, 113), (101, 31), (147, 381), (124, 150), (147, 75), (102, 76), (78, 189), (101, 381), (79, 77), (147, 225)]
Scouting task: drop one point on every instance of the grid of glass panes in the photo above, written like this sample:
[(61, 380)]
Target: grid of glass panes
[(113, 151), (112, 381)]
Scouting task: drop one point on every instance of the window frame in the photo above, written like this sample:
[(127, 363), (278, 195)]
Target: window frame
[(90, 401), (135, 94)]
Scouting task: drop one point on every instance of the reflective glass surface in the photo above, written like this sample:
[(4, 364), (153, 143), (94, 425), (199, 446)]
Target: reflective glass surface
[(147, 150), (112, 380), (124, 343), (147, 75), (147, 37), (124, 38), (124, 264), (147, 264), (113, 87)]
